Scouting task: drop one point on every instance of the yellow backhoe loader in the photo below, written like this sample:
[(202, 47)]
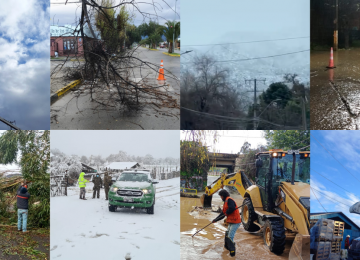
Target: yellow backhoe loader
[(277, 203)]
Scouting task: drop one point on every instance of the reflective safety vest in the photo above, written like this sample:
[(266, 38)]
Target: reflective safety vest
[(82, 181), (234, 217)]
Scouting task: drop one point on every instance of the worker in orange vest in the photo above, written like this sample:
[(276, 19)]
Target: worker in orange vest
[(232, 213)]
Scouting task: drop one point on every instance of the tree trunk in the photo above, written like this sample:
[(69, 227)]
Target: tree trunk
[(170, 47)]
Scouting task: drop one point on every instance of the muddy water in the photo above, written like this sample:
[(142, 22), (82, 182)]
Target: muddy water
[(209, 243), (335, 93)]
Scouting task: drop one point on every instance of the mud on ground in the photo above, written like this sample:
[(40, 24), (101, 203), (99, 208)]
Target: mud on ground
[(16, 245), (209, 243)]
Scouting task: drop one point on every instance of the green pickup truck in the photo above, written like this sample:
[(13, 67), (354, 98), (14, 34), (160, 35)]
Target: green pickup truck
[(133, 189)]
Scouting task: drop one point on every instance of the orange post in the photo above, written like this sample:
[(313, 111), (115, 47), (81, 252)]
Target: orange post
[(161, 72), (331, 62)]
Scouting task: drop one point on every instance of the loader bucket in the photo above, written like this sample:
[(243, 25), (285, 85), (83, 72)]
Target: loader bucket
[(300, 249), (206, 201)]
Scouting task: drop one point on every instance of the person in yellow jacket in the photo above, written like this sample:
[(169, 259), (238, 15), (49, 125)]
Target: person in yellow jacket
[(82, 184)]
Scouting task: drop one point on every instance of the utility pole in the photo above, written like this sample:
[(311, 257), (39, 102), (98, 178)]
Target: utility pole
[(255, 101), (9, 124), (336, 25)]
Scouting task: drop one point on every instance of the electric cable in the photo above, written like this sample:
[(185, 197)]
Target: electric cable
[(334, 158)]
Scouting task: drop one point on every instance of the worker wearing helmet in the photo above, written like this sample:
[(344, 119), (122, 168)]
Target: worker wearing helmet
[(232, 213), (347, 242), (82, 185)]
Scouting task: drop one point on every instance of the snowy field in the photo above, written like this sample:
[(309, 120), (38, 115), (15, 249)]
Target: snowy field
[(87, 230)]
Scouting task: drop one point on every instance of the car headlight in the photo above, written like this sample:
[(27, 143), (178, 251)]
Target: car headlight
[(113, 189), (146, 191)]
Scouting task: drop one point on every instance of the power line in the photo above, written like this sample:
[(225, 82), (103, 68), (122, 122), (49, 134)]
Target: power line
[(248, 41), (334, 158), (236, 120), (328, 179), (317, 199), (257, 58), (331, 199)]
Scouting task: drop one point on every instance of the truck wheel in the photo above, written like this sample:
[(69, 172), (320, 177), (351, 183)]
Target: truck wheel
[(274, 236), (248, 216), (150, 210), (112, 208)]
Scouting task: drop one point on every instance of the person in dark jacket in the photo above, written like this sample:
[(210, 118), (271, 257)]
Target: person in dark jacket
[(232, 213), (23, 207)]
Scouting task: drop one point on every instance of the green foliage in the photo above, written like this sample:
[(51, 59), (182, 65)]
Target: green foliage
[(33, 148), (277, 91), (169, 30), (153, 32), (287, 139), (194, 160)]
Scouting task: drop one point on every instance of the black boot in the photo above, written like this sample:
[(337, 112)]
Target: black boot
[(225, 244), (230, 245)]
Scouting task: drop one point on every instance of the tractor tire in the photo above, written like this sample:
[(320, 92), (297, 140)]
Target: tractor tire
[(150, 210), (274, 236), (248, 216), (112, 208)]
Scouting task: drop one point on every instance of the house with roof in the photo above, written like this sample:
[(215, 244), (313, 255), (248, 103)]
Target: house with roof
[(67, 41), (350, 228), (121, 166)]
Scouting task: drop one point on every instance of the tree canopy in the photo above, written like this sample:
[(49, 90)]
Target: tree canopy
[(31, 150), (287, 139)]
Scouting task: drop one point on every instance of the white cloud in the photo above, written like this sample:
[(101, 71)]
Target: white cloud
[(24, 71), (330, 200)]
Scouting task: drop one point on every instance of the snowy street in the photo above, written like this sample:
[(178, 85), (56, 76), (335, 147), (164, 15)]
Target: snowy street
[(87, 230)]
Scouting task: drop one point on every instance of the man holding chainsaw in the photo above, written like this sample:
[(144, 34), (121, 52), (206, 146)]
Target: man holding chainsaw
[(231, 211)]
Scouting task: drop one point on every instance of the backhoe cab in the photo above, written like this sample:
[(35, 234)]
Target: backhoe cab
[(278, 202)]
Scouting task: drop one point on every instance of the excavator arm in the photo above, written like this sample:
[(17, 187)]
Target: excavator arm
[(237, 180)]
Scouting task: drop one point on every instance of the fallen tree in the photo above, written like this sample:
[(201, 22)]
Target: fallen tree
[(31, 150)]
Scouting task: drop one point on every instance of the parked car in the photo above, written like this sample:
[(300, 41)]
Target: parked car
[(133, 189), (162, 46)]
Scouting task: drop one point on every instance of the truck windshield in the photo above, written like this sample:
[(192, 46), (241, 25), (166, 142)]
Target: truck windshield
[(282, 168), (140, 177)]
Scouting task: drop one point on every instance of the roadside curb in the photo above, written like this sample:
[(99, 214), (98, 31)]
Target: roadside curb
[(63, 90), (172, 55), (152, 49)]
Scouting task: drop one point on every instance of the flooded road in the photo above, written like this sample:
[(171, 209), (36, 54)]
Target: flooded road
[(209, 243), (335, 93)]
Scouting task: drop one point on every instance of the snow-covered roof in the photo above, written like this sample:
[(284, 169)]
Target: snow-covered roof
[(122, 165)]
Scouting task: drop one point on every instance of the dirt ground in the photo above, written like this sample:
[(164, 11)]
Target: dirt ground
[(335, 93), (16, 245), (209, 244)]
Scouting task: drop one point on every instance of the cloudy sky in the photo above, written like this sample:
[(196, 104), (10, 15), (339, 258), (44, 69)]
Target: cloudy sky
[(341, 189), (159, 144), (231, 141), (25, 64), (165, 10)]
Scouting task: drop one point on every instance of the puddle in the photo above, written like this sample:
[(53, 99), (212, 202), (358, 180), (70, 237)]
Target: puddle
[(335, 93), (209, 243)]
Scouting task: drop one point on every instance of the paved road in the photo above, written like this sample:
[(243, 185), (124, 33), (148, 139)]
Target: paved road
[(78, 112), (335, 93), (58, 79)]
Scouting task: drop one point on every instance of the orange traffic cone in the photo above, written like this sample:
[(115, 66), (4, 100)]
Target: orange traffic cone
[(161, 72), (331, 62)]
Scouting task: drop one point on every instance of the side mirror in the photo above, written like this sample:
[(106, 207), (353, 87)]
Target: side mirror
[(155, 181)]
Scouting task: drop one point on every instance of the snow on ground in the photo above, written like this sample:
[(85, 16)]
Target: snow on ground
[(86, 229)]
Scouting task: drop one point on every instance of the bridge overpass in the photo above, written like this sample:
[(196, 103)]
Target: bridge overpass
[(224, 160)]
